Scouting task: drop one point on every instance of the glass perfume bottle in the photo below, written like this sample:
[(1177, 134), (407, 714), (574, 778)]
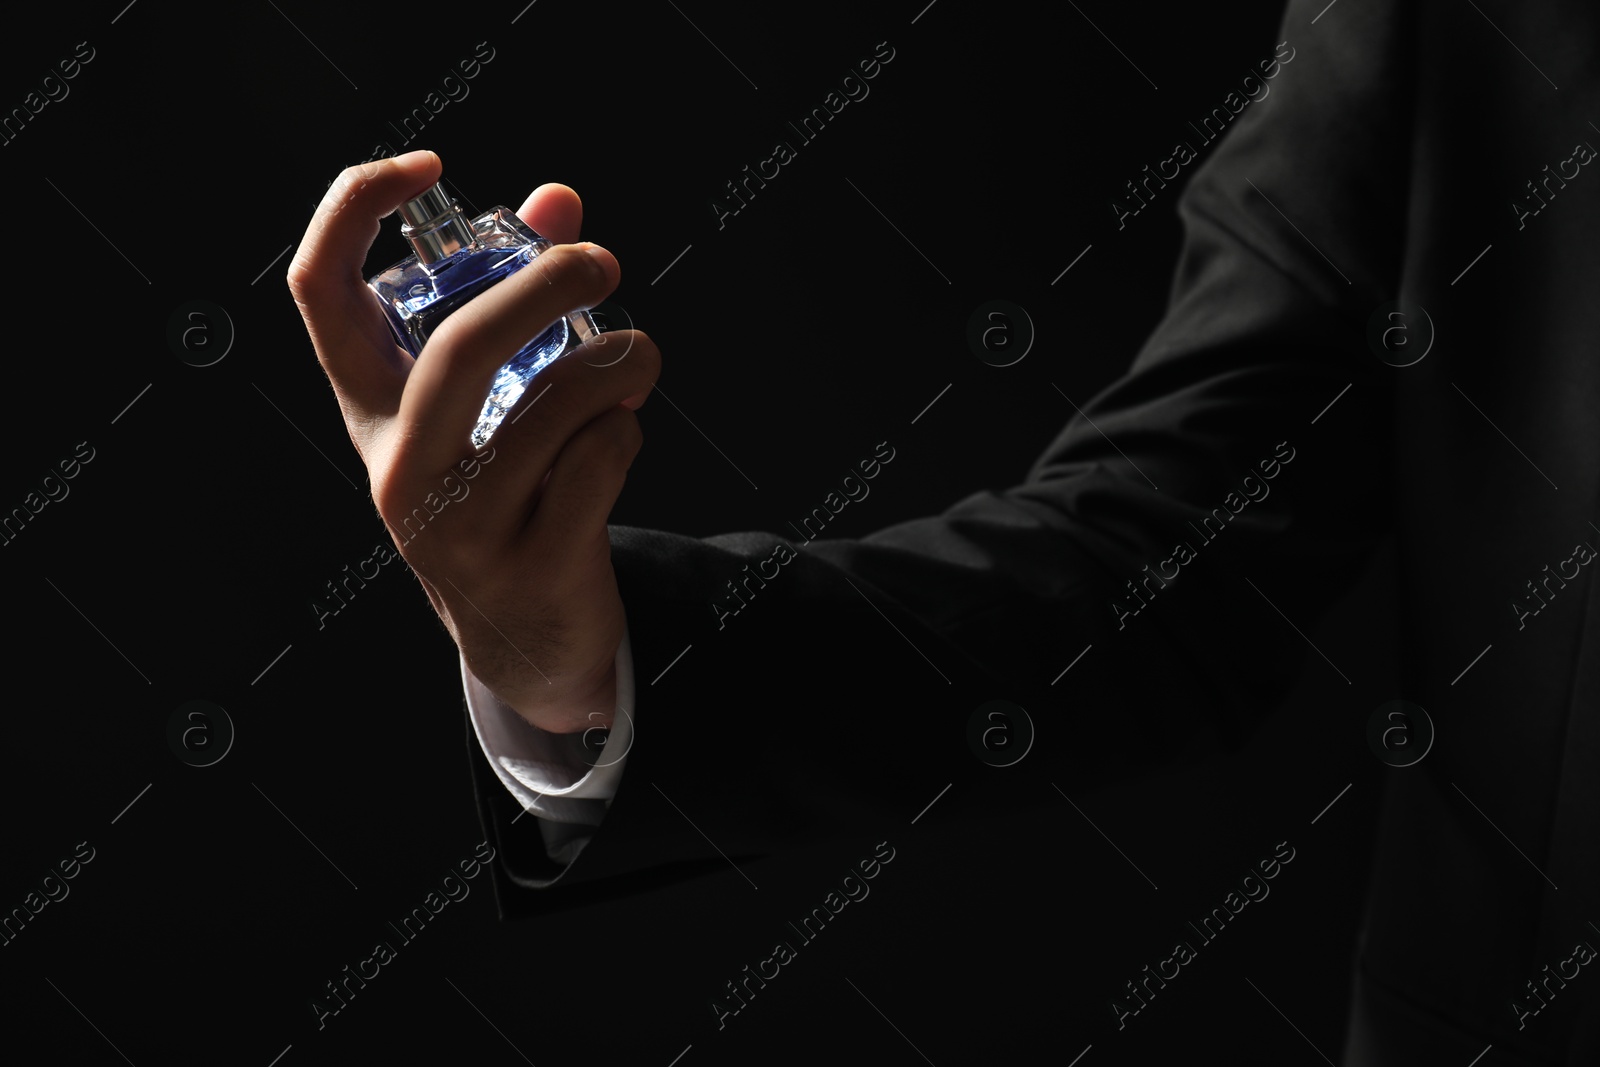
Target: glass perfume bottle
[(455, 258)]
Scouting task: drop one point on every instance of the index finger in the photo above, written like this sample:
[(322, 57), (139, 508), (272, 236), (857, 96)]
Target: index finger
[(347, 327)]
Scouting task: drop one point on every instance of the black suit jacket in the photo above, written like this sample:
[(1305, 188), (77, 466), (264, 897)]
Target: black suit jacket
[(1391, 163)]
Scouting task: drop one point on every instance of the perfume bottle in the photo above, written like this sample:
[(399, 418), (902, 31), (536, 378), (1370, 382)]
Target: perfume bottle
[(454, 259)]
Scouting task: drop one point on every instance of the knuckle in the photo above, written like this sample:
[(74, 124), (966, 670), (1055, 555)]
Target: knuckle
[(442, 337), (468, 331), (570, 268), (300, 277), (352, 180)]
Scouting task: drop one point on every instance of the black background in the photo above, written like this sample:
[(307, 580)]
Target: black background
[(190, 154)]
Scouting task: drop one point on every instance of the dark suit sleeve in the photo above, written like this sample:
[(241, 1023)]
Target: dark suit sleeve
[(1185, 527)]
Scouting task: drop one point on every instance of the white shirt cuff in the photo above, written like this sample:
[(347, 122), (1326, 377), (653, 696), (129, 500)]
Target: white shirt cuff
[(565, 780)]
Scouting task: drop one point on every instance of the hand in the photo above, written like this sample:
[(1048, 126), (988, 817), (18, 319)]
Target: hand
[(518, 565)]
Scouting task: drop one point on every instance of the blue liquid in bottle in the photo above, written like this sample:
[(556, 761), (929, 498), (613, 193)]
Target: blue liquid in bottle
[(455, 259)]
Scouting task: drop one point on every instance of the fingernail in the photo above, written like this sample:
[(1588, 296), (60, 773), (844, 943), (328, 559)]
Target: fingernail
[(412, 158)]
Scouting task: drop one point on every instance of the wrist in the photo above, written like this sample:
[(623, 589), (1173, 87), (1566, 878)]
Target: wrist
[(580, 704)]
